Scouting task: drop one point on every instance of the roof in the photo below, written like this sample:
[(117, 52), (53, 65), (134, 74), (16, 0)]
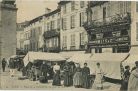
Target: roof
[(40, 17), (63, 2), (52, 12)]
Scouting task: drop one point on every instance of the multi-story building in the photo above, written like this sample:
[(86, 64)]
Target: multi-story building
[(20, 37), (52, 28), (8, 16), (111, 26), (32, 33), (20, 34), (73, 36)]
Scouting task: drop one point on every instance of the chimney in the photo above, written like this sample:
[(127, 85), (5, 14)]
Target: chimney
[(47, 10)]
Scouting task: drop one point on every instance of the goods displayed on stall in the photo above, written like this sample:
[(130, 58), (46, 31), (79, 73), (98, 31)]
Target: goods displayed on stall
[(33, 62)]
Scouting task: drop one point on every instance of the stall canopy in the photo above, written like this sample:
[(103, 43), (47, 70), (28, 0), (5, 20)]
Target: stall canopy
[(80, 58), (110, 63), (131, 60), (134, 50), (32, 56), (68, 55)]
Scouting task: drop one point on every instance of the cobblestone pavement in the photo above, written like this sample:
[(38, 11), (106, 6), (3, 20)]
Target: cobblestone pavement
[(8, 82)]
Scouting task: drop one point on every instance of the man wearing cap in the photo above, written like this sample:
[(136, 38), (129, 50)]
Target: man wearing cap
[(133, 80)]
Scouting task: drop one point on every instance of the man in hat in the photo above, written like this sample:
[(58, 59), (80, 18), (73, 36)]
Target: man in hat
[(133, 79)]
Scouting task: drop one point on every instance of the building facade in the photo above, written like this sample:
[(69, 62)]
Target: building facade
[(73, 36), (111, 26), (8, 14), (52, 31), (32, 34), (20, 37)]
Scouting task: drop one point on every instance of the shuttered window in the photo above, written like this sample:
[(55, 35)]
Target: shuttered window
[(137, 30)]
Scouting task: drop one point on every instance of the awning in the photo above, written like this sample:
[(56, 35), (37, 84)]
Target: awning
[(110, 63), (80, 58), (134, 50), (131, 60), (69, 54), (32, 56)]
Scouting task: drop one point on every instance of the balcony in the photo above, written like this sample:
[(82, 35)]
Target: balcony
[(51, 33), (109, 23)]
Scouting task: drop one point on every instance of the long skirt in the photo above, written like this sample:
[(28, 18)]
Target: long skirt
[(68, 80), (78, 79), (56, 79), (86, 81), (98, 81), (124, 86)]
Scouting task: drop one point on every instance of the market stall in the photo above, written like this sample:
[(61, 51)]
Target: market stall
[(132, 58), (32, 56), (80, 58), (69, 54), (34, 60), (110, 63)]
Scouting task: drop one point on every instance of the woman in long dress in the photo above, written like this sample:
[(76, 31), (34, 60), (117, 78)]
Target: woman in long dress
[(86, 76), (133, 79), (77, 79), (98, 79), (67, 75), (124, 85), (56, 78)]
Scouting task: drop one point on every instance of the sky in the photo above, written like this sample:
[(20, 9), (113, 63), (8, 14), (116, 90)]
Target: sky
[(29, 9)]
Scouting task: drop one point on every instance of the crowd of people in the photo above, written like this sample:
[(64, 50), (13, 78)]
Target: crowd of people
[(73, 75)]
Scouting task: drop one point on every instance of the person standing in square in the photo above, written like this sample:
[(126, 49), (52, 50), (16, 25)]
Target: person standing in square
[(3, 64)]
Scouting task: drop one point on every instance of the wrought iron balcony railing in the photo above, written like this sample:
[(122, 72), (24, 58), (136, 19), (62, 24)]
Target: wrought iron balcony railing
[(51, 33), (108, 21)]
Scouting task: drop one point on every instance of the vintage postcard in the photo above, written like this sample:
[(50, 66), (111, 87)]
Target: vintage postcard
[(69, 45)]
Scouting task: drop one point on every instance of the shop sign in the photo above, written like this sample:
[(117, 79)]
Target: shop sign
[(110, 40)]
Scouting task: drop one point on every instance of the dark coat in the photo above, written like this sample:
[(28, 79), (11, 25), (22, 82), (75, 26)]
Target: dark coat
[(86, 77), (12, 64), (4, 63), (124, 84), (68, 77), (44, 69)]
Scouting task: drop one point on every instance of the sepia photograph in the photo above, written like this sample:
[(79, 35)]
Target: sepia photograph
[(69, 45)]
